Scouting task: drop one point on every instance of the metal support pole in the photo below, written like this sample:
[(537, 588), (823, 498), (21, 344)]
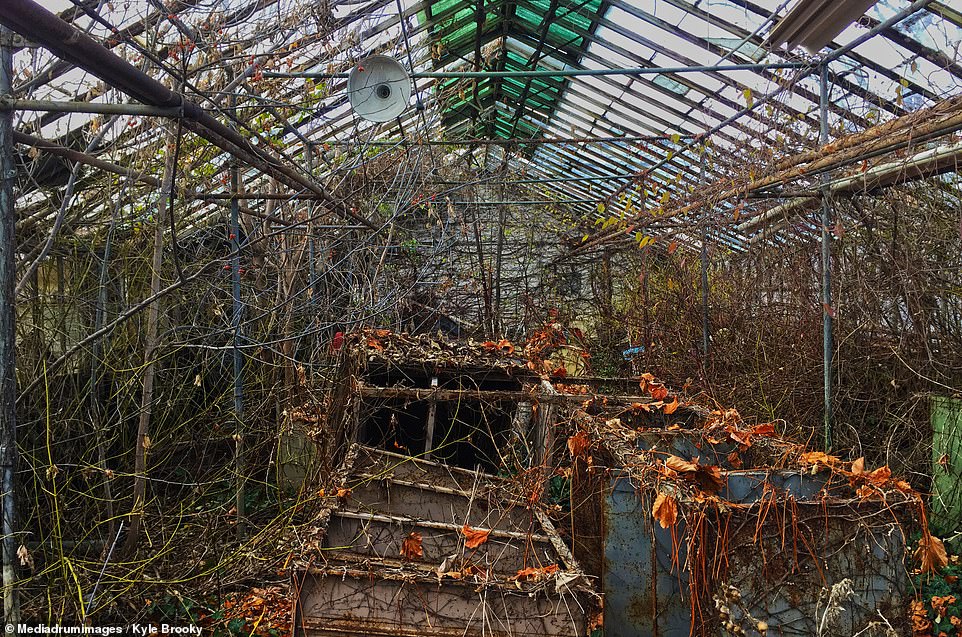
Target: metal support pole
[(239, 453), (705, 333), (312, 266), (828, 347), (8, 314), (145, 110), (432, 416)]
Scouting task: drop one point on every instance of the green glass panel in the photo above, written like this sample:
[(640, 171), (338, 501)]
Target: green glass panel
[(946, 416)]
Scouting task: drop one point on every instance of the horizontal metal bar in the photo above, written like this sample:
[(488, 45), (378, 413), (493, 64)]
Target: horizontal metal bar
[(441, 526), (8, 103), (513, 141), (641, 70), (553, 180)]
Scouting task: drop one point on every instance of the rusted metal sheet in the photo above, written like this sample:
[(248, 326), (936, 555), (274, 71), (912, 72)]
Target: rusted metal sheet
[(839, 555), (644, 594), (786, 551)]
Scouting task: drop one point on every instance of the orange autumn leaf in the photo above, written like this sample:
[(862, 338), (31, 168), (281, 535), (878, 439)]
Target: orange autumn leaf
[(920, 618), (489, 345), (868, 492), (880, 476), (818, 457), (744, 438), (735, 460), (644, 380), (665, 510), (577, 444), (707, 477), (648, 383), (473, 538), (904, 486), (765, 429), (411, 548), (680, 464), (931, 554), (343, 494), (940, 604), (505, 346), (671, 407), (658, 391), (534, 574)]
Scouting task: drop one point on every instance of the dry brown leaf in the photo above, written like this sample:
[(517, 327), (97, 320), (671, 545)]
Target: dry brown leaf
[(904, 486), (658, 391), (473, 538), (680, 465), (858, 467), (709, 478), (879, 476), (534, 574), (931, 554), (818, 457), (644, 380), (578, 444), (920, 618), (735, 460), (744, 438), (765, 429), (665, 510), (671, 407), (411, 548), (944, 461)]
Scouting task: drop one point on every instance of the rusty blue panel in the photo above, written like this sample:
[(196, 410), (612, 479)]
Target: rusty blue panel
[(647, 596), (688, 447), (644, 594)]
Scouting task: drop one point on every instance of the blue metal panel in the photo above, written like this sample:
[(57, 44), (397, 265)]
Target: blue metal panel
[(641, 601), (647, 596)]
